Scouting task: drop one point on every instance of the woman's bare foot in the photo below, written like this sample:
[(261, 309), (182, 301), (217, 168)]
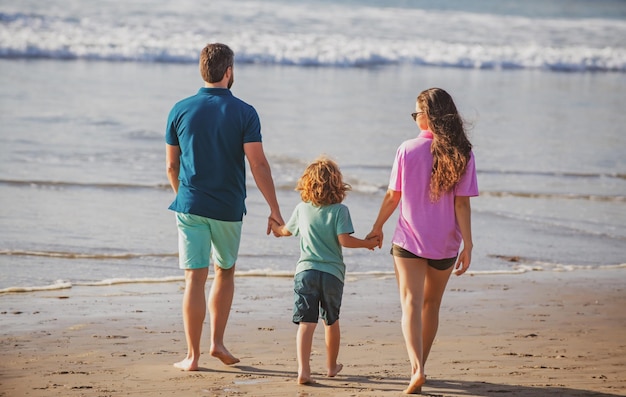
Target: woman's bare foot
[(334, 371), (224, 356), (187, 365), (415, 386)]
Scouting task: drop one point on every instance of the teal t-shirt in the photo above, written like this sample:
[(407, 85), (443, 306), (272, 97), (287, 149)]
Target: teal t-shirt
[(318, 228)]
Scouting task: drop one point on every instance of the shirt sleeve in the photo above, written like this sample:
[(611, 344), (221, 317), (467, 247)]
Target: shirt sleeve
[(292, 223), (252, 128), (395, 180), (468, 185), (344, 221), (171, 136)]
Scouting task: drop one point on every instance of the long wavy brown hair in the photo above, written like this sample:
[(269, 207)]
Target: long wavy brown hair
[(322, 183), (450, 147)]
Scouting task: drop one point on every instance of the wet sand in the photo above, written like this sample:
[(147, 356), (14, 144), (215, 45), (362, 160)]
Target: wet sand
[(533, 334)]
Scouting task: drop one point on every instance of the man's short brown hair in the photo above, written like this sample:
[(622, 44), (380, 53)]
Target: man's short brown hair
[(215, 59)]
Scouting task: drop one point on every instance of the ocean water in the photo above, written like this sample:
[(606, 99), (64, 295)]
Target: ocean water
[(86, 92)]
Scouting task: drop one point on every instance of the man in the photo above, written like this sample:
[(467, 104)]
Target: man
[(208, 135)]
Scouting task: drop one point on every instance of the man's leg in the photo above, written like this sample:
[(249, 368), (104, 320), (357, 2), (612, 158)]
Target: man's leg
[(220, 302), (194, 312)]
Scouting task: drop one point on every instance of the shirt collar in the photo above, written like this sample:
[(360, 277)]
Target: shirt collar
[(426, 134), (214, 91)]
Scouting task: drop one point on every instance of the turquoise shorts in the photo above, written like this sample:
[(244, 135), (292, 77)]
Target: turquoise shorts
[(198, 237)]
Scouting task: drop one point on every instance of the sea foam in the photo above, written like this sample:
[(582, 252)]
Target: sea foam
[(338, 36)]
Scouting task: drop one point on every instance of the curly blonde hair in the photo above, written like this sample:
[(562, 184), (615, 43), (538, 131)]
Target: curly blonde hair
[(451, 147), (322, 183)]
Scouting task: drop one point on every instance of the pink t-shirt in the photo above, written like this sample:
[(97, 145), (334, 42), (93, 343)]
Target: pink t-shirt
[(427, 229)]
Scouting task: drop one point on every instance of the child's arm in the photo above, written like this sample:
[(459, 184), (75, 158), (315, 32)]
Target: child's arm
[(348, 241), (279, 230)]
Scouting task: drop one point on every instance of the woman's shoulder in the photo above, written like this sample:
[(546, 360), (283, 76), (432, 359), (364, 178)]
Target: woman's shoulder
[(415, 144), (417, 141)]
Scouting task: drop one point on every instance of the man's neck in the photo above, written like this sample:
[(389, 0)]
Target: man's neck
[(216, 85)]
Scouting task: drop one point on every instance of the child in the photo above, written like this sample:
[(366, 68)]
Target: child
[(324, 226)]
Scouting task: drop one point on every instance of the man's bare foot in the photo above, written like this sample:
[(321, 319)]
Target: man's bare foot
[(187, 365), (415, 386), (224, 356), (333, 372)]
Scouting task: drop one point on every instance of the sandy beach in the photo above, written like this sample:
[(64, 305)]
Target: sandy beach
[(534, 334)]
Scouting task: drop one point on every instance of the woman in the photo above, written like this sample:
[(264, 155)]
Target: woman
[(432, 178)]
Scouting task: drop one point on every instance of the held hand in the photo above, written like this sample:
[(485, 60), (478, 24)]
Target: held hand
[(376, 234), (270, 226), (372, 242), (271, 220), (275, 227), (462, 264)]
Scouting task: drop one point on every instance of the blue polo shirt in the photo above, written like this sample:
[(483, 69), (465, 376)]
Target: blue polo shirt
[(211, 128)]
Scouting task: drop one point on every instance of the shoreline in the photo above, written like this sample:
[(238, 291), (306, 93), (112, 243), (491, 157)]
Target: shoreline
[(523, 268), (548, 334)]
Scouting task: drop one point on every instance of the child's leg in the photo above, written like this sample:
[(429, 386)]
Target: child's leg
[(333, 337), (304, 340)]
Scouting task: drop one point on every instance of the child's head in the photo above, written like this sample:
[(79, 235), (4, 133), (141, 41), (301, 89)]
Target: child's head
[(322, 183)]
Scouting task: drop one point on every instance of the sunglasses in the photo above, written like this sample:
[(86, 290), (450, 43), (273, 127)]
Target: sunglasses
[(414, 115)]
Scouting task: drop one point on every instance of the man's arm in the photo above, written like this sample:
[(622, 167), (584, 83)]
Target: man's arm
[(172, 165), (263, 178)]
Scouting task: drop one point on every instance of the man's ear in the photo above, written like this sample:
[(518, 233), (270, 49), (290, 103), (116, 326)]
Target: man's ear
[(228, 73)]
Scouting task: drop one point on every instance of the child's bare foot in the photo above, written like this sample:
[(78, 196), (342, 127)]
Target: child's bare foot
[(187, 365), (224, 356), (334, 371), (305, 380), (304, 376), (415, 386)]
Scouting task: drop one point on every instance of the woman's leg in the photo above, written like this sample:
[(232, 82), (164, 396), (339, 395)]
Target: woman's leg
[(434, 287), (410, 274)]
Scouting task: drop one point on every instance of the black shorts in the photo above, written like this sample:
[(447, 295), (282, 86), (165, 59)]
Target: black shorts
[(316, 293), (439, 264)]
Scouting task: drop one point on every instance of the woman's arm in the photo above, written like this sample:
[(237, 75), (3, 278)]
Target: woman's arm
[(462, 211), (388, 206)]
